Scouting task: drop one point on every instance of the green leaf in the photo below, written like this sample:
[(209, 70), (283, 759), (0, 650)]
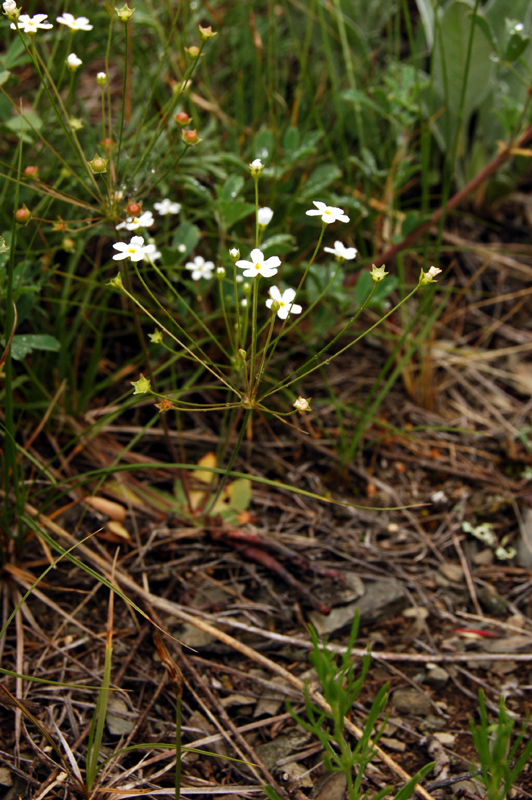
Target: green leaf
[(232, 187), (516, 46), (320, 179), (25, 123), (291, 141), (279, 243), (234, 211), (4, 248), (4, 75), (187, 234), (23, 344), (264, 144), (449, 71)]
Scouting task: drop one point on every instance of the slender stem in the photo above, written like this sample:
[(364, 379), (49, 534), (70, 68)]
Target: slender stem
[(314, 254), (288, 382), (224, 312), (232, 459), (254, 330), (124, 89), (264, 350)]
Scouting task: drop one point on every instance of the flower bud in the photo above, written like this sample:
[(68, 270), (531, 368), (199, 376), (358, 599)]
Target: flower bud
[(133, 209), (156, 337), (108, 144), (73, 62), (101, 79), (116, 282), (68, 244), (301, 404), (124, 13), (275, 306), (10, 10), (430, 276), (182, 118), (190, 137), (246, 288), (206, 33), (32, 172), (193, 51), (256, 168), (377, 273), (234, 254), (220, 273), (23, 215), (142, 386), (264, 216), (242, 354), (98, 164)]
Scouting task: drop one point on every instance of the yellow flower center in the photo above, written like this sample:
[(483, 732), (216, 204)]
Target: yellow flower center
[(257, 265), (131, 249)]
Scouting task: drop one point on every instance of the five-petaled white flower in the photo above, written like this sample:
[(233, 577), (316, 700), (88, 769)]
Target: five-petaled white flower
[(259, 265), (264, 216), (145, 220), (342, 253), (286, 306), (200, 268), (73, 62), (327, 213), (136, 250), (166, 206), (302, 404), (75, 24), (32, 24)]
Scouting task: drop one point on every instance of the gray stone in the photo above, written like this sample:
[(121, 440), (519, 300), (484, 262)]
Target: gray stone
[(330, 787), (283, 746), (411, 701), (437, 676), (452, 572), (381, 599)]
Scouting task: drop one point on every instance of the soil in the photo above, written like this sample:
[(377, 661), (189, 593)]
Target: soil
[(448, 450)]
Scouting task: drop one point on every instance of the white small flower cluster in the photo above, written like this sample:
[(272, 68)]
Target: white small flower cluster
[(200, 268), (32, 24), (75, 24), (136, 250), (166, 206), (144, 220), (284, 301)]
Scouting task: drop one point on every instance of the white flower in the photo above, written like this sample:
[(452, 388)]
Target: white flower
[(256, 167), (73, 62), (31, 24), (341, 252), (302, 404), (10, 9), (200, 268), (136, 250), (244, 302), (101, 78), (145, 220), (264, 216), (239, 278), (284, 300), (181, 248), (166, 206), (259, 266), (327, 213), (151, 252), (79, 24), (429, 277)]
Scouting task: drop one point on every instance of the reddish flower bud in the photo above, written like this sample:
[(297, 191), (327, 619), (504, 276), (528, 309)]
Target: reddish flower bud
[(22, 215), (32, 172), (133, 209), (190, 137), (182, 118), (108, 144)]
